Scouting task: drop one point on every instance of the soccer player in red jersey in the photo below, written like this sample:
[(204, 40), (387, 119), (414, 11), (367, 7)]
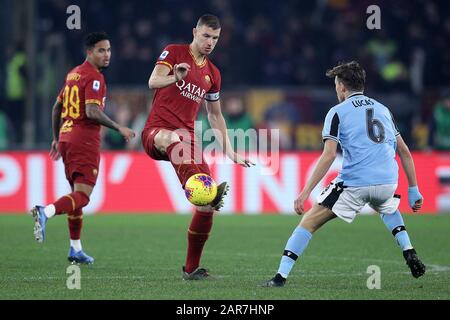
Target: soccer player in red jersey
[(76, 120), (183, 77)]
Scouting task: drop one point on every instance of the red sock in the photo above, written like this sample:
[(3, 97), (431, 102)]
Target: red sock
[(198, 233), (183, 163), (75, 220), (71, 202)]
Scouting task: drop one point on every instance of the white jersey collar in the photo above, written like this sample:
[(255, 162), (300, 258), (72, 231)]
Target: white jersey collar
[(355, 94)]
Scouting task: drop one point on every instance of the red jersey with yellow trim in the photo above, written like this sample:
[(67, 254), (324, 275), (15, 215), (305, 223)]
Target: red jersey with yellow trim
[(83, 85), (176, 106)]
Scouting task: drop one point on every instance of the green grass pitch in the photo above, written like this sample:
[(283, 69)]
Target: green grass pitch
[(140, 257)]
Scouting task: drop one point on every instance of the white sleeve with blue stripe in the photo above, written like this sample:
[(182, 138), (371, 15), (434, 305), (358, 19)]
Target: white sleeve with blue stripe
[(331, 126)]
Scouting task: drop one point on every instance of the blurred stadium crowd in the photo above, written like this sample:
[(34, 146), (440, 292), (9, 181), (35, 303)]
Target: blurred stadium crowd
[(272, 56)]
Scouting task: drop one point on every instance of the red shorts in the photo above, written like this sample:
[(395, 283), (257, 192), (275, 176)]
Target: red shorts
[(148, 141), (80, 163)]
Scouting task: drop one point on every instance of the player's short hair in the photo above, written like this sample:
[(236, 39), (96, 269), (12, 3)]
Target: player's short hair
[(210, 21), (93, 38), (351, 74)]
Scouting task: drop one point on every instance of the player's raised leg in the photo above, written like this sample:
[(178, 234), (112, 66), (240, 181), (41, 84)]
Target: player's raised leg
[(316, 217), (183, 155)]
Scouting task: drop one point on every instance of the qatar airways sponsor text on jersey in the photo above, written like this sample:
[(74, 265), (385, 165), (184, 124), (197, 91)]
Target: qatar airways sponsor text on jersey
[(176, 106)]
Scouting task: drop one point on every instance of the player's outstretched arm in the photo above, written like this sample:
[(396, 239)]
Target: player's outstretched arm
[(415, 199), (160, 77), (56, 126), (217, 122), (326, 160), (93, 112)]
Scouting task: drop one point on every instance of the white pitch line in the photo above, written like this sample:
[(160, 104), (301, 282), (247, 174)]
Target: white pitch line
[(86, 277), (430, 267)]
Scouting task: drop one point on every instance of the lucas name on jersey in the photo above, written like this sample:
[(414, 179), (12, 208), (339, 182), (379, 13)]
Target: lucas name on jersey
[(362, 103), (191, 91)]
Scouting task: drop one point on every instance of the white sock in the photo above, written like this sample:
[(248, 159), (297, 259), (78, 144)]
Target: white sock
[(49, 211), (76, 245)]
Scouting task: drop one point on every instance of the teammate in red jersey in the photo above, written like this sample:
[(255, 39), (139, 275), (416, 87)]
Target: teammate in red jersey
[(183, 77), (76, 121)]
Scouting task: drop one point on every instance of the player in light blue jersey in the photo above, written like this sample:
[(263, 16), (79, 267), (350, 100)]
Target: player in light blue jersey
[(369, 139)]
